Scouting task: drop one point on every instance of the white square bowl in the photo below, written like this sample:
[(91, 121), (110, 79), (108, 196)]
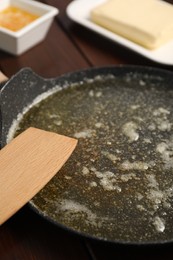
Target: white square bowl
[(33, 33)]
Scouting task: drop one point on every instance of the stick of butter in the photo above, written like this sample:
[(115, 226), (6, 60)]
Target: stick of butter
[(146, 22)]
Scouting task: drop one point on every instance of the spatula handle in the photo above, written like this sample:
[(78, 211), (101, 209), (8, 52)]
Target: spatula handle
[(3, 77)]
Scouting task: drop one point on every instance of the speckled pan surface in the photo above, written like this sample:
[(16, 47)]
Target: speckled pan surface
[(118, 184)]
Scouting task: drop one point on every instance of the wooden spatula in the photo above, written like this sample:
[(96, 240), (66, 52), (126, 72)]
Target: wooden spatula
[(27, 163)]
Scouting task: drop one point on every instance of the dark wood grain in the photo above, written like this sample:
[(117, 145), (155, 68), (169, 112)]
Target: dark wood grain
[(102, 251), (56, 55), (28, 236), (67, 47)]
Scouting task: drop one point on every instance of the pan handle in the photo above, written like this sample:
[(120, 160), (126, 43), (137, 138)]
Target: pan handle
[(17, 94), (3, 80)]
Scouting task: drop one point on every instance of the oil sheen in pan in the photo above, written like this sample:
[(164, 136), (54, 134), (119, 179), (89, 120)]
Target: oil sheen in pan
[(118, 184)]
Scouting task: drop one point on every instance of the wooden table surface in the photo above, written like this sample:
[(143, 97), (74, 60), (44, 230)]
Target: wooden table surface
[(67, 47)]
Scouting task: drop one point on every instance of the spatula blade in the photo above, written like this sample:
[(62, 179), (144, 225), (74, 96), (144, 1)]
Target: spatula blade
[(27, 164)]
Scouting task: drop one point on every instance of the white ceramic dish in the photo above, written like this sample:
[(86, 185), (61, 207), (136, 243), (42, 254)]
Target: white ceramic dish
[(30, 35), (79, 11)]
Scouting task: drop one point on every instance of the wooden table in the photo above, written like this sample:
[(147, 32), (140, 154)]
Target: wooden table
[(67, 47)]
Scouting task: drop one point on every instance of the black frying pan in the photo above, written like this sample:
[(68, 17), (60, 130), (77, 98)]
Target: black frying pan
[(133, 205)]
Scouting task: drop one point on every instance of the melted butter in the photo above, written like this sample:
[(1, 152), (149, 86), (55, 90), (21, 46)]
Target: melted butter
[(129, 129), (121, 171), (14, 18)]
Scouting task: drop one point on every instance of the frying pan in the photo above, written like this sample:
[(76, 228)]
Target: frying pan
[(137, 207)]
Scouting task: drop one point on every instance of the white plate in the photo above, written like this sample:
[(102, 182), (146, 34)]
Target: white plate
[(79, 11)]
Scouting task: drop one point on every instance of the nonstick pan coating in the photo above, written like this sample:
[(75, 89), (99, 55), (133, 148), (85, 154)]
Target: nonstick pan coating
[(130, 202)]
